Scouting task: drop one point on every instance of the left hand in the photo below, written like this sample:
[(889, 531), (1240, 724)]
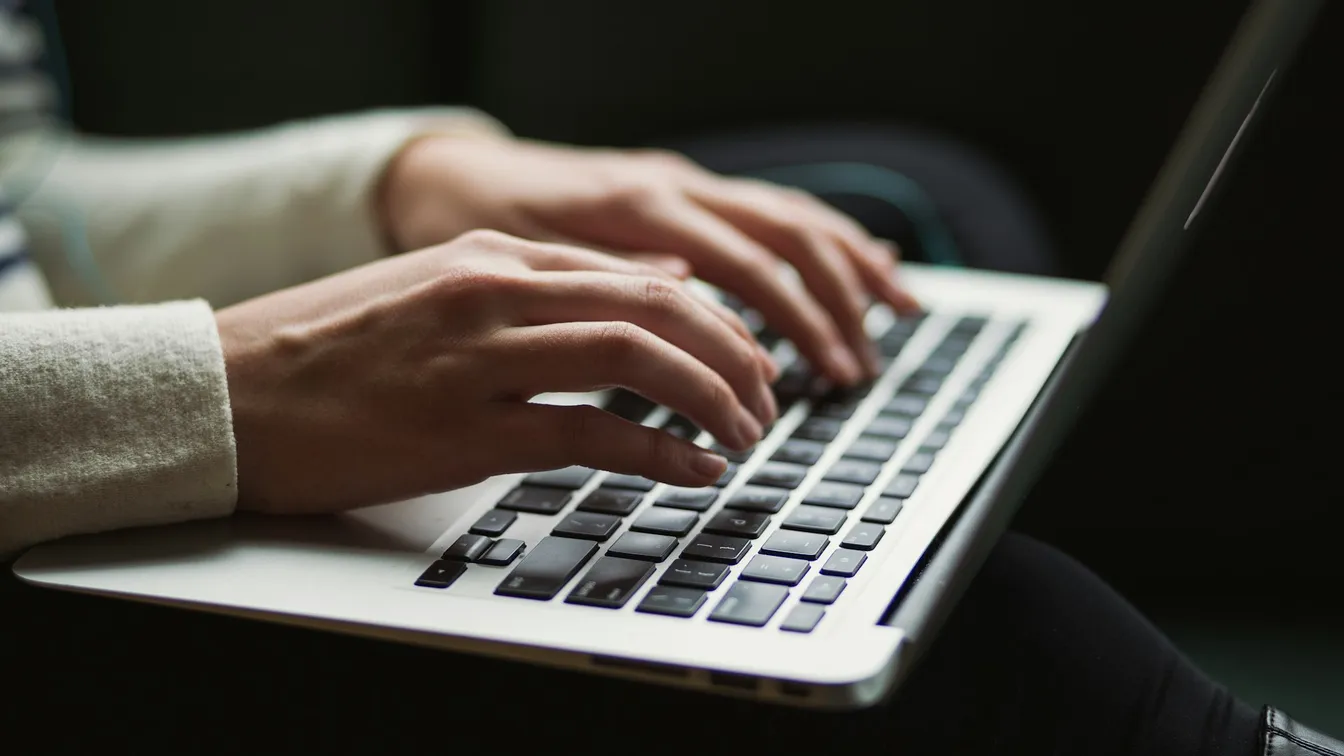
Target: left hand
[(660, 207)]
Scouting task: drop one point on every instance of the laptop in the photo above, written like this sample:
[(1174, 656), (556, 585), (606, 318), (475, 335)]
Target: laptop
[(817, 569)]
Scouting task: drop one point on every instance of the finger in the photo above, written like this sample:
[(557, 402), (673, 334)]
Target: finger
[(677, 266), (826, 269), (664, 308), (724, 256), (881, 277), (739, 326), (547, 437), (579, 357)]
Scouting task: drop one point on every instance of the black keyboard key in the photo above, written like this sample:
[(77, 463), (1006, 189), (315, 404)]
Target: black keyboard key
[(803, 618), (467, 548), (739, 523), (799, 451), (691, 573), (695, 499), (844, 563), (812, 519), (732, 455), (902, 486), (970, 325), (838, 495), (535, 499), (883, 511), (936, 439), (611, 501), (681, 427), (552, 563), (863, 536), (629, 405), (503, 552), (716, 548), (953, 417), (441, 574), (779, 475), (610, 582), (565, 477), (754, 499), (906, 405), (792, 543), (922, 385), (919, 463), (837, 407), (774, 569), (631, 482), (858, 471), (590, 525), (938, 365), (824, 589), (872, 448), (797, 382), (494, 523), (666, 521), (646, 546), (672, 601), (729, 473), (889, 426), (819, 429), (748, 603)]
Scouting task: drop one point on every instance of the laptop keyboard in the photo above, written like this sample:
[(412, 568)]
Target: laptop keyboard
[(700, 533)]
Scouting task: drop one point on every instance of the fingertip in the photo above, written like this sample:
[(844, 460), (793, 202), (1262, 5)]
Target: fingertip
[(707, 465)]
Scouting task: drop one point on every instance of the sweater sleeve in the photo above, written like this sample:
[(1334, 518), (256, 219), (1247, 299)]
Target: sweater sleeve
[(110, 418), (224, 218)]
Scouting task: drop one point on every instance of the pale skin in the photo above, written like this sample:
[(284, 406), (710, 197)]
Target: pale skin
[(413, 374)]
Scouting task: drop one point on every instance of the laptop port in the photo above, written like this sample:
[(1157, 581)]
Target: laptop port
[(736, 682)]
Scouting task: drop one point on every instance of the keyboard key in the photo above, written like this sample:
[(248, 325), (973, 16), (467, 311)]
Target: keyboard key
[(953, 418), (872, 448), (924, 385), (739, 523), (667, 521), (565, 477), (552, 563), (813, 519), (970, 325), (841, 410), (858, 471), (936, 439), (441, 574), (799, 451), (824, 589), (884, 510), (902, 486), (632, 482), (838, 495), (919, 463), (748, 603), (610, 582), (791, 543), (889, 426), (494, 523), (716, 548), (803, 618), (590, 525), (844, 563), (467, 548), (863, 536), (773, 569), (646, 546), (732, 455), (938, 364), (503, 552), (768, 500), (779, 475), (695, 499), (672, 601), (819, 429), (611, 501), (535, 499), (629, 405), (690, 573), (906, 405), (681, 427), (729, 473)]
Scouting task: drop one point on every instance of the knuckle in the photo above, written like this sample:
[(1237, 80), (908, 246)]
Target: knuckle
[(637, 198), (661, 296), (477, 284), (620, 344), (664, 158), (488, 239)]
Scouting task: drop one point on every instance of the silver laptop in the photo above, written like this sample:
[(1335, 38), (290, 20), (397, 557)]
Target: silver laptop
[(822, 563)]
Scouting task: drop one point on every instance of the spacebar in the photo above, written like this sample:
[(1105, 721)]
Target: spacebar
[(547, 568)]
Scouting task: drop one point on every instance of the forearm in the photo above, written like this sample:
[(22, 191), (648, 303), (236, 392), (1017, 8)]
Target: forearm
[(224, 218), (112, 418)]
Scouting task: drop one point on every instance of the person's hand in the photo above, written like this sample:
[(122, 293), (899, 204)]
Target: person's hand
[(730, 232), (412, 375)]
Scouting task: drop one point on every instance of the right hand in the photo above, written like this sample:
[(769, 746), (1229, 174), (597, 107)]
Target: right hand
[(413, 375)]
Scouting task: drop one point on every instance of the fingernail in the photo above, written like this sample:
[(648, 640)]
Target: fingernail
[(766, 408), (771, 369), (708, 464), (748, 430), (845, 364)]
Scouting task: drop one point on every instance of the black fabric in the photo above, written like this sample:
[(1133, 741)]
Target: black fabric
[(1040, 657)]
